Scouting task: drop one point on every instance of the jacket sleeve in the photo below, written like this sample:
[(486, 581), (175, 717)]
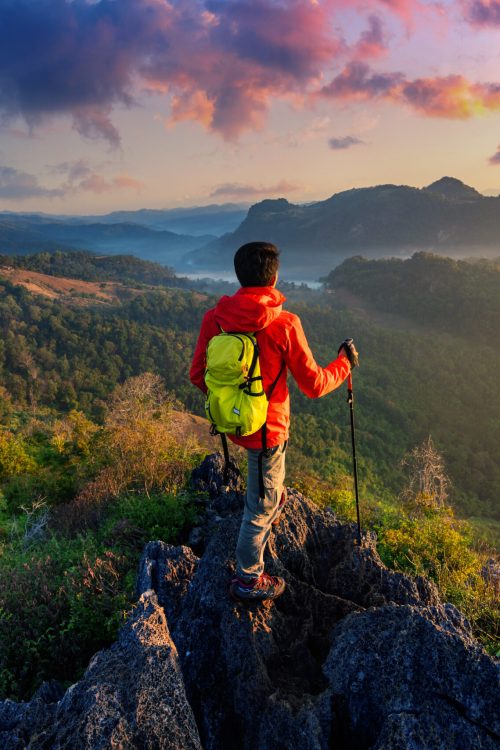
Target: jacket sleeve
[(199, 363), (312, 379)]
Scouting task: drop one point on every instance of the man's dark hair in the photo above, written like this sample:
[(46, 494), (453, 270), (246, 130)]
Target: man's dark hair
[(256, 263)]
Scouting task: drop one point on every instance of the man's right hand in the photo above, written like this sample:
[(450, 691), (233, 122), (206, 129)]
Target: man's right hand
[(347, 347)]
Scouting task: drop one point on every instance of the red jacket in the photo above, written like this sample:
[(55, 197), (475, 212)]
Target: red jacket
[(281, 340)]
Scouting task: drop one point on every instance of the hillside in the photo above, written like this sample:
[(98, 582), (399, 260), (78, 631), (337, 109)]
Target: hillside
[(48, 358), (453, 296), (88, 266), (446, 217), (73, 291)]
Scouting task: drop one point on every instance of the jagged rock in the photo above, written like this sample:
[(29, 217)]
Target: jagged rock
[(131, 696), (408, 677), (169, 571), (17, 720), (224, 484), (272, 677), (352, 656)]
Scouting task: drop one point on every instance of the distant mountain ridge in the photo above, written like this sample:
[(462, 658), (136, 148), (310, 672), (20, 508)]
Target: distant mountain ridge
[(446, 217), (20, 234)]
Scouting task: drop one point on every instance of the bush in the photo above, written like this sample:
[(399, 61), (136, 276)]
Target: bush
[(67, 598), (159, 516), (435, 544), (14, 459)]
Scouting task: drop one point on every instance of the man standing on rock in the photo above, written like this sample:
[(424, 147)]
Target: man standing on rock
[(257, 308)]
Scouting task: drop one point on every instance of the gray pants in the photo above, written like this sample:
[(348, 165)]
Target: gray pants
[(259, 513)]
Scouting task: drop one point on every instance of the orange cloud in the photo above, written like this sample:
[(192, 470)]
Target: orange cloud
[(238, 190), (126, 182), (96, 183), (453, 97)]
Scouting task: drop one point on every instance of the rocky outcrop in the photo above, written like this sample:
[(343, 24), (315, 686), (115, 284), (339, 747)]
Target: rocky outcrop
[(131, 696), (352, 656)]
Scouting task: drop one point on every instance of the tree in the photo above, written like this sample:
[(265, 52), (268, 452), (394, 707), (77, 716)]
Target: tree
[(427, 480)]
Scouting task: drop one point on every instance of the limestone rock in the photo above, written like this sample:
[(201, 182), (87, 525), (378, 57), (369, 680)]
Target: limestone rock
[(352, 656), (132, 696)]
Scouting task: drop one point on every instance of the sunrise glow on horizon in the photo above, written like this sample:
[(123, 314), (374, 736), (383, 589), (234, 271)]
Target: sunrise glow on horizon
[(125, 104)]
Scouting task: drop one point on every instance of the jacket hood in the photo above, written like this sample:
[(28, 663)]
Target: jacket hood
[(250, 309)]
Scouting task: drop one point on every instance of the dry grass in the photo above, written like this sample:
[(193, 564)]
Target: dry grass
[(75, 291)]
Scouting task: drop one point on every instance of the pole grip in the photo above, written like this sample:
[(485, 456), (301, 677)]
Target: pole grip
[(349, 381)]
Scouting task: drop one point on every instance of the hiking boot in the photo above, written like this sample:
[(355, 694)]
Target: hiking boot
[(260, 589), (283, 500)]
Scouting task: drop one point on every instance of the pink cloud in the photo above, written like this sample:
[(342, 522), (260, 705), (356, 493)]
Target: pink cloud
[(124, 181), (238, 190), (96, 183), (495, 159), (373, 41), (221, 63), (405, 9), (453, 97), (243, 54)]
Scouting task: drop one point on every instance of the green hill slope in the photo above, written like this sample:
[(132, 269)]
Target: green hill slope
[(427, 378)]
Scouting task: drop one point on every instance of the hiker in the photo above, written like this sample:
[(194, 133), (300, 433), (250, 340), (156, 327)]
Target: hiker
[(257, 307)]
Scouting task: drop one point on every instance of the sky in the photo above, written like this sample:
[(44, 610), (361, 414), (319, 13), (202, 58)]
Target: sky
[(125, 104)]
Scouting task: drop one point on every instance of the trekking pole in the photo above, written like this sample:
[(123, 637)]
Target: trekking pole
[(350, 401)]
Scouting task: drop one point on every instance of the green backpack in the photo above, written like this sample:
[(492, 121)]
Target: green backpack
[(236, 402)]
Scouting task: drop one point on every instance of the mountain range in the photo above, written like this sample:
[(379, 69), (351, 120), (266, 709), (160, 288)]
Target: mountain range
[(446, 217)]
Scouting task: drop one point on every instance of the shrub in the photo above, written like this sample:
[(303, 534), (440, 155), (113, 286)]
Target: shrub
[(159, 516), (14, 459), (435, 544), (57, 608)]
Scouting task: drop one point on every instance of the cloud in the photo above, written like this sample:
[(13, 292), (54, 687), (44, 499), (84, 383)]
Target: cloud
[(96, 183), (221, 60), (79, 177), (452, 97), (339, 144), (357, 81), (17, 185), (221, 63), (483, 12), (73, 170), (238, 190), (495, 159), (373, 42)]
